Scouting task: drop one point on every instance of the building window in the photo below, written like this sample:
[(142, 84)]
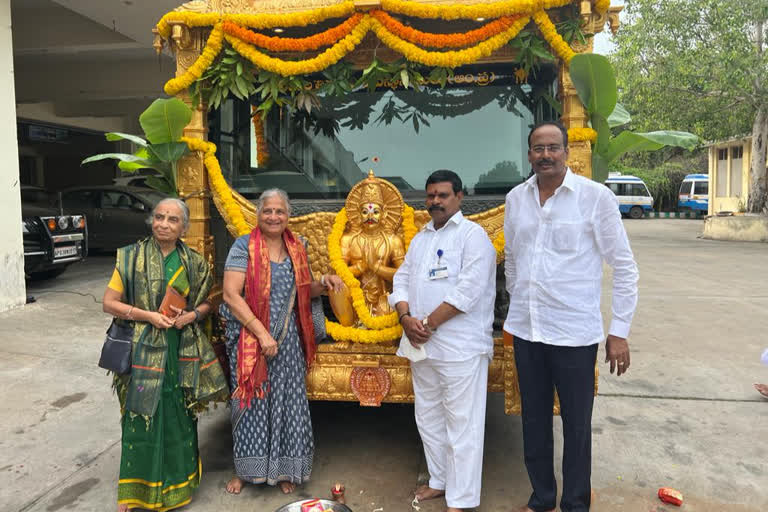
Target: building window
[(737, 152)]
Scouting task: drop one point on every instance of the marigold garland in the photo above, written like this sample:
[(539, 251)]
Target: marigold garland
[(450, 59), (262, 149), (301, 67), (232, 213), (258, 21), (581, 134), (286, 44), (203, 62), (498, 243), (555, 40), (409, 225), (480, 10), (602, 5), (457, 40), (339, 332)]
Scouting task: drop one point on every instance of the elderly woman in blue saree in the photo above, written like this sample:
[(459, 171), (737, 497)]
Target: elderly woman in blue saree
[(271, 344), (174, 372)]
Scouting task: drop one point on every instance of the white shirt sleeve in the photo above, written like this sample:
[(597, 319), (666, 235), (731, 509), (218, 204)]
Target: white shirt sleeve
[(613, 245), (509, 260), (478, 261), (401, 279)]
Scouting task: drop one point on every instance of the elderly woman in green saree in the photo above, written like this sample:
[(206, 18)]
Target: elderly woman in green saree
[(174, 372)]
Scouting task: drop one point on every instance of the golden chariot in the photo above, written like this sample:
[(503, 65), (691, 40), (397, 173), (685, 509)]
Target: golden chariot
[(360, 363)]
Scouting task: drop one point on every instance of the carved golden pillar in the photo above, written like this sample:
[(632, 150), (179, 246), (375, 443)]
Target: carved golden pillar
[(192, 180), (574, 115)]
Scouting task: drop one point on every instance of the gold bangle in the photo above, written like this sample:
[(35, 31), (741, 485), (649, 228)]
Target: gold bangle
[(249, 322), (128, 314)]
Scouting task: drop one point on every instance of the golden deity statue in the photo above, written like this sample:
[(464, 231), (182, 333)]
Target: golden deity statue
[(371, 246)]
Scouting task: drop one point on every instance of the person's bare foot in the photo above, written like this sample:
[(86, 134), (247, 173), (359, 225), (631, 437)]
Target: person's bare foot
[(762, 389), (122, 507), (235, 485), (287, 487), (425, 492)]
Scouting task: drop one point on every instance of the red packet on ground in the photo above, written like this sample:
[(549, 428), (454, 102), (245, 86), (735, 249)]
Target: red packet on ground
[(312, 505), (672, 496)]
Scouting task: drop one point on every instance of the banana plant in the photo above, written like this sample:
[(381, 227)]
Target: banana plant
[(595, 82), (163, 123)]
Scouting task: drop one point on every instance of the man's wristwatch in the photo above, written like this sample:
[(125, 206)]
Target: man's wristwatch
[(425, 323), (197, 315)]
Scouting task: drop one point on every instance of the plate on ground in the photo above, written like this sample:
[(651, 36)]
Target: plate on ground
[(327, 504)]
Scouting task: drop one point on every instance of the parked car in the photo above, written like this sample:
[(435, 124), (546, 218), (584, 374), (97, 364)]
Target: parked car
[(694, 193), (117, 216), (632, 193), (52, 241), (133, 180)]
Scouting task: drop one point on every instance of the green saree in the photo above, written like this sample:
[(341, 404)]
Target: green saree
[(160, 466)]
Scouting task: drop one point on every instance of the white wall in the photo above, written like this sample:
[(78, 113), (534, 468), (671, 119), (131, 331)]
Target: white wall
[(12, 289)]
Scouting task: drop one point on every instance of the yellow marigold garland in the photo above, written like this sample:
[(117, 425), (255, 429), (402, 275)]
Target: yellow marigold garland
[(300, 67), (581, 134), (498, 243), (409, 225), (602, 5), (196, 70), (341, 333), (258, 21), (450, 59), (479, 10), (554, 39), (232, 213)]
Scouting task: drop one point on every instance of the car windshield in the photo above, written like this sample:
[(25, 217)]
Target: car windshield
[(151, 196), (36, 196)]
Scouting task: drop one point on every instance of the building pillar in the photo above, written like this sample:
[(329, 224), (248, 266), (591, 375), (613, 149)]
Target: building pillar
[(12, 288)]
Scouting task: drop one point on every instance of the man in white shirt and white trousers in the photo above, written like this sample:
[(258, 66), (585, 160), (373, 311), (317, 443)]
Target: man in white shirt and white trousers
[(444, 295), (558, 229)]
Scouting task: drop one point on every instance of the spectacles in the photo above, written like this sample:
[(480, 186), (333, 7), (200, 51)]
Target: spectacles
[(552, 148)]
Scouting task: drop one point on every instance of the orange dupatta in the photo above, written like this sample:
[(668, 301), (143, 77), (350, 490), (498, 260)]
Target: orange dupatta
[(251, 363)]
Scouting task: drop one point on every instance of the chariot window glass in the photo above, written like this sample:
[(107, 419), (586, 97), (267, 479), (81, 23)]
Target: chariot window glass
[(477, 125)]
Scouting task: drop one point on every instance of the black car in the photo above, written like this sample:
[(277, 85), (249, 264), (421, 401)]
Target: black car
[(51, 241), (117, 216)]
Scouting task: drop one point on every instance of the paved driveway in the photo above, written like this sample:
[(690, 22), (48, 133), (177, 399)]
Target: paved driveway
[(685, 415)]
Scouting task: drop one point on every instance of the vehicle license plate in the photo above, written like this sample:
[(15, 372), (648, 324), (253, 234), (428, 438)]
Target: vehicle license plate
[(63, 252)]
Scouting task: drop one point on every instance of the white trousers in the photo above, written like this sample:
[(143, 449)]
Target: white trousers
[(450, 413)]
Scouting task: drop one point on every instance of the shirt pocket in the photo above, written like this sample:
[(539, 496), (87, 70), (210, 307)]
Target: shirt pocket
[(452, 259), (566, 236)]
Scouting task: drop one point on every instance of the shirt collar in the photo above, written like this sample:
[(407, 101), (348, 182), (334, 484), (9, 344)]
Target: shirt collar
[(569, 181), (456, 219)]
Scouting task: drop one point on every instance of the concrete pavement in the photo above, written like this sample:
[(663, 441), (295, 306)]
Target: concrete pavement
[(684, 416)]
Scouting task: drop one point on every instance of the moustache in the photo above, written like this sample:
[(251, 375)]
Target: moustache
[(545, 161), (435, 207)]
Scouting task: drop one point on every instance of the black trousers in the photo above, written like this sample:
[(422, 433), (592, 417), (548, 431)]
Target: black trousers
[(542, 369)]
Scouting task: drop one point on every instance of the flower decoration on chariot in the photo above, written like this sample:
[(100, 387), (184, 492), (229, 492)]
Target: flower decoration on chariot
[(374, 203)]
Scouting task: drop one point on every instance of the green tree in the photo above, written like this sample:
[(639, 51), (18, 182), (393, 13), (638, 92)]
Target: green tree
[(701, 66)]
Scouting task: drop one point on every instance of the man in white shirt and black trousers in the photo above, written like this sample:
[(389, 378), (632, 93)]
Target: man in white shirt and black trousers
[(558, 229), (444, 294)]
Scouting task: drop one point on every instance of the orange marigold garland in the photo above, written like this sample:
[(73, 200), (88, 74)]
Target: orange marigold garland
[(262, 149), (287, 44), (458, 40)]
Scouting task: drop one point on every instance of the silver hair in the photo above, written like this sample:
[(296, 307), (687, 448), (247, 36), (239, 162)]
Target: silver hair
[(272, 192), (181, 206)]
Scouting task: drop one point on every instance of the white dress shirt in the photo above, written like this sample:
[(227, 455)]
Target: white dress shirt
[(470, 287), (554, 263)]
